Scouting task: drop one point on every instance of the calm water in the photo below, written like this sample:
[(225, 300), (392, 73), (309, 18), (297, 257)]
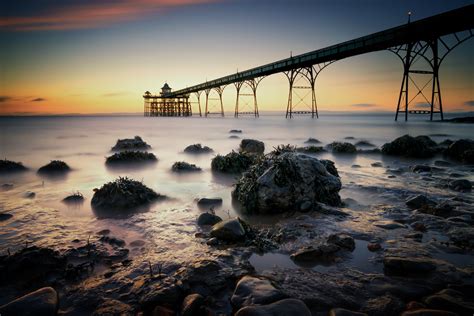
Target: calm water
[(84, 142)]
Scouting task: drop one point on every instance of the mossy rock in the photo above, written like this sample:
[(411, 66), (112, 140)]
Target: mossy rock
[(135, 143), (11, 166), (130, 157), (408, 146), (55, 166), (233, 162), (342, 148)]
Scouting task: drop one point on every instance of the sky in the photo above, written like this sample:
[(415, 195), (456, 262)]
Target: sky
[(87, 56)]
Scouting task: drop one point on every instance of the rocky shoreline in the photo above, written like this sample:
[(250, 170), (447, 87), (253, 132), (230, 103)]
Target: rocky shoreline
[(318, 231)]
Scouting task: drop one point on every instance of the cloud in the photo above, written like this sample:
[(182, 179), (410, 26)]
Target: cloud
[(114, 94), (38, 100), (364, 105), (69, 15), (4, 98), (469, 103)]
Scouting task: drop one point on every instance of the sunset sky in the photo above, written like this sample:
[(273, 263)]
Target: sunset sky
[(91, 56)]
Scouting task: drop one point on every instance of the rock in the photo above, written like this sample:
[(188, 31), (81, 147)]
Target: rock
[(5, 216), (442, 163), (364, 143), (384, 305), (404, 266), (6, 186), (230, 230), (233, 162), (209, 201), (419, 201), (103, 232), (235, 131), (162, 311), (451, 300), (421, 168), (42, 302), (192, 305), (349, 137), (389, 225), (342, 148), (255, 291), (113, 241), (373, 246), (208, 219), (128, 156), (75, 198), (29, 195), (330, 167), (461, 150), (377, 164), (286, 307), (197, 149), (356, 166), (182, 166), (163, 293), (310, 149), (212, 241), (7, 166), (461, 185), (321, 252), (55, 166), (131, 144), (283, 182), (234, 136), (342, 240), (344, 312), (408, 146), (428, 312), (312, 141), (137, 243), (113, 307), (462, 236), (123, 194), (252, 146)]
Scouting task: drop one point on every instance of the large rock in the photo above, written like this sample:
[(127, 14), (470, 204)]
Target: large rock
[(11, 166), (451, 300), (54, 167), (286, 307), (197, 149), (317, 253), (183, 166), (284, 182), (131, 144), (208, 219), (192, 305), (342, 148), (255, 291), (252, 146), (122, 194), (233, 162), (230, 230), (42, 302), (462, 150), (163, 293), (113, 307), (129, 156), (408, 146)]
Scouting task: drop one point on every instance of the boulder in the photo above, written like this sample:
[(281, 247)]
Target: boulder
[(255, 291), (408, 146), (342, 148), (113, 307), (209, 201), (312, 141), (386, 305), (451, 300), (11, 166), (131, 144), (364, 143), (404, 266), (230, 230), (44, 302), (377, 164), (461, 150), (283, 182), (320, 252), (55, 166), (419, 201), (252, 146), (286, 307), (122, 194), (310, 149), (233, 162), (75, 198), (182, 166), (198, 149), (163, 293), (208, 219), (129, 156), (192, 305), (342, 240), (461, 185)]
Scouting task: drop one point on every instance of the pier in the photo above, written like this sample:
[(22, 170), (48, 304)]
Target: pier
[(430, 39)]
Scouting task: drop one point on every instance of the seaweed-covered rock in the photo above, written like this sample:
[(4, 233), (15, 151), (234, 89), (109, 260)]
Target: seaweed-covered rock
[(283, 182), (131, 144), (342, 148), (461, 150), (123, 193), (233, 162), (129, 156), (364, 143), (310, 149), (408, 146), (11, 166), (75, 198), (252, 146), (183, 166), (198, 149), (55, 166), (312, 140)]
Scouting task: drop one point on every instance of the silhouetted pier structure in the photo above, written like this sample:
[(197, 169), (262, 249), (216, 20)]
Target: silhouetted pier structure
[(428, 40), (161, 105)]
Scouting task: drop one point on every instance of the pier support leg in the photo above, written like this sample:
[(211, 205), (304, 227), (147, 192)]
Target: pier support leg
[(253, 85), (198, 96)]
